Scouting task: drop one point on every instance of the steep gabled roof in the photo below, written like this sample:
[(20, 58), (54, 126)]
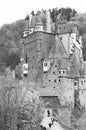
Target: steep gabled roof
[(60, 51), (61, 18), (61, 24)]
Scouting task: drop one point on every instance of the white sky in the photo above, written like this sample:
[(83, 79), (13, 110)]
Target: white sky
[(12, 10)]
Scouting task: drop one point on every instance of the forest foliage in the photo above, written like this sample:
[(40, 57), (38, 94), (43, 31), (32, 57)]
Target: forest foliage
[(10, 44), (20, 107)]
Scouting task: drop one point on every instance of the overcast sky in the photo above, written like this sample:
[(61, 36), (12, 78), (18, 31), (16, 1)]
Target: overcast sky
[(12, 10)]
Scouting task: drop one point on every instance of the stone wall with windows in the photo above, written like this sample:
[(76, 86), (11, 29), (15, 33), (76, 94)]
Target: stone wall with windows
[(37, 48)]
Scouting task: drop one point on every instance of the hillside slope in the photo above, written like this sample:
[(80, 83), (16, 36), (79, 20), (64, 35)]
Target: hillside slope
[(10, 44)]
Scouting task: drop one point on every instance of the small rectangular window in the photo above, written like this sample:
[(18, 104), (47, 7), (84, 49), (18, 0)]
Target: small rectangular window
[(75, 84), (26, 58), (60, 38), (63, 72), (54, 80), (82, 82), (59, 71)]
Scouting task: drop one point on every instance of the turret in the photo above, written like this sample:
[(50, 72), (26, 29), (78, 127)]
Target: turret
[(38, 27), (29, 28)]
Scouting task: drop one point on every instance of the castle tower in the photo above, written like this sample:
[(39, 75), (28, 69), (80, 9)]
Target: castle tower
[(27, 21), (48, 21)]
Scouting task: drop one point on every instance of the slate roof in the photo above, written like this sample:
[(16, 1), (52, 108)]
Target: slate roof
[(47, 92), (61, 18), (60, 51)]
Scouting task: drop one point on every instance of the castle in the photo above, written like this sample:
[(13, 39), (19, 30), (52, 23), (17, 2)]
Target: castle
[(53, 59)]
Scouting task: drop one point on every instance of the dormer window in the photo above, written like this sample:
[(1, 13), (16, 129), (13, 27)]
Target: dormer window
[(82, 82)]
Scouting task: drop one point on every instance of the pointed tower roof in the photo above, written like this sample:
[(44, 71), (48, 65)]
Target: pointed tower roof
[(38, 20), (33, 21), (27, 17)]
